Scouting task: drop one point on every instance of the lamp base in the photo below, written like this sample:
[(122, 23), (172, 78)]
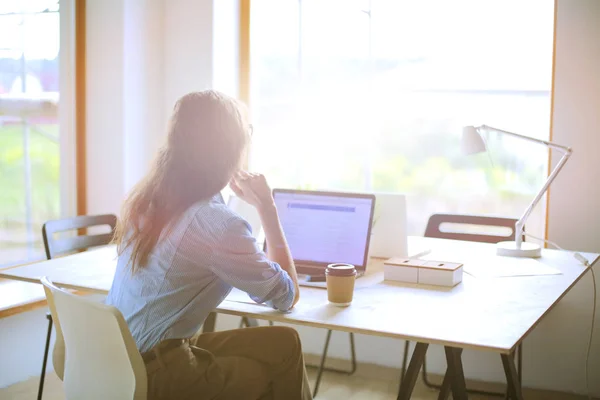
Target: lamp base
[(509, 249)]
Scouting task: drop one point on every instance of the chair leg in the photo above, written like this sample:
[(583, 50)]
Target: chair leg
[(46, 351), (444, 389), (353, 354), (322, 367), (353, 362), (425, 378), (323, 357), (248, 322)]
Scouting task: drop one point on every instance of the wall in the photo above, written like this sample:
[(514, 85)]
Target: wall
[(105, 105), (574, 202), (125, 96), (188, 45), (67, 108), (154, 52), (554, 353), (143, 90), (574, 212)]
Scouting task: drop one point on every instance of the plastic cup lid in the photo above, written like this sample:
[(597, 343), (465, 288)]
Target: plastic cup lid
[(340, 270)]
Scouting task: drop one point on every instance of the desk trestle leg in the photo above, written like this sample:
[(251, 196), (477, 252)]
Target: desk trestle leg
[(455, 370), (446, 387), (512, 378), (412, 373), (247, 322), (209, 323)]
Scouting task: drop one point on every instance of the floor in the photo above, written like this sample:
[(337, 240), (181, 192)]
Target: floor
[(333, 387)]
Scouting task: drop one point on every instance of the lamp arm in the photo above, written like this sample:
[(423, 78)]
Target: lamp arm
[(547, 143), (521, 222)]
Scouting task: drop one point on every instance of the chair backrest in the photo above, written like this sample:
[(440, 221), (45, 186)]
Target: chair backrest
[(434, 227), (102, 360), (55, 247), (58, 353)]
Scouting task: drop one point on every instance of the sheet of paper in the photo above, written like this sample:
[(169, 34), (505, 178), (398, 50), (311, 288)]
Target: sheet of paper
[(499, 266)]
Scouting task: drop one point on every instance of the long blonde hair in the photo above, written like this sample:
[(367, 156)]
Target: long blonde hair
[(206, 139)]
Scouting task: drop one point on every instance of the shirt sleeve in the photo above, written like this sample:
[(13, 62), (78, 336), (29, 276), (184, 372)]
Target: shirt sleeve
[(241, 263)]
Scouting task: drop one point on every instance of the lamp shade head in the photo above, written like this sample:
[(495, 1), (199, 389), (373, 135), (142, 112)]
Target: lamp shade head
[(471, 141)]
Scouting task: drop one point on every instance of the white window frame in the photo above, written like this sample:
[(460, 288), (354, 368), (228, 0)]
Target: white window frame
[(67, 107)]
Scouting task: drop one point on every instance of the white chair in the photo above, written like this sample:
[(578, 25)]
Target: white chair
[(56, 246), (102, 360), (58, 353)]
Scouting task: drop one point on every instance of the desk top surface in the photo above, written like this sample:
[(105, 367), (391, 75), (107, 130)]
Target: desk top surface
[(492, 313)]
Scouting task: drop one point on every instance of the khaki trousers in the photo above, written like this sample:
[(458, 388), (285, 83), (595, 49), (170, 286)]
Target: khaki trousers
[(251, 363)]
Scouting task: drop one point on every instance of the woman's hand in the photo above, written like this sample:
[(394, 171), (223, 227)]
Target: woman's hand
[(252, 188)]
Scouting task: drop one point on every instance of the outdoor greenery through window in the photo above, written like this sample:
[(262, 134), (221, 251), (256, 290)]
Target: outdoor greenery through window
[(372, 96), (29, 134)]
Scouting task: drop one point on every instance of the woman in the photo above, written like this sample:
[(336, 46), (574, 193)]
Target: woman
[(181, 250)]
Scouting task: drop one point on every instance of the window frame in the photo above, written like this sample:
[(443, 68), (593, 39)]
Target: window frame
[(72, 114), (245, 73)]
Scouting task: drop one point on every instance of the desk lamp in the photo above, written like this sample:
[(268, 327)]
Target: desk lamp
[(472, 143)]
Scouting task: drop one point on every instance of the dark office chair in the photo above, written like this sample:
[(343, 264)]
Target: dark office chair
[(435, 230), (59, 246)]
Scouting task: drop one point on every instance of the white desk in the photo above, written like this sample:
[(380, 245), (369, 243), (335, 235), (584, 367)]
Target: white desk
[(493, 314)]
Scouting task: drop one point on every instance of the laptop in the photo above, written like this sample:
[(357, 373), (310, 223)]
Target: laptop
[(323, 228)]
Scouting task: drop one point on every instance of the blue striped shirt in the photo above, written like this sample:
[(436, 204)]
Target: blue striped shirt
[(191, 271)]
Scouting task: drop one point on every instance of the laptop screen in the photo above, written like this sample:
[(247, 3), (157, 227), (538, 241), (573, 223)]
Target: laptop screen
[(323, 228)]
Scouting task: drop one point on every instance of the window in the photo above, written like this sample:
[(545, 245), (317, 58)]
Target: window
[(372, 96), (29, 128)]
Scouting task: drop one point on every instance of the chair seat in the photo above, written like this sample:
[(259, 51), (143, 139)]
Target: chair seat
[(113, 367)]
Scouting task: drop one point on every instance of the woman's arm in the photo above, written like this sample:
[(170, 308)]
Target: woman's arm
[(254, 189), (277, 247)]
